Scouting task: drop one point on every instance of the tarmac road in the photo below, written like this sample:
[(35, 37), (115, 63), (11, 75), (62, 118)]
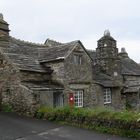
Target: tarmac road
[(13, 127)]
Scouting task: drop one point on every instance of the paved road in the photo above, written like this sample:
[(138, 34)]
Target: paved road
[(13, 127)]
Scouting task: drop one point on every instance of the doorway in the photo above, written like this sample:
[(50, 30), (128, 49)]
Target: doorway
[(58, 99)]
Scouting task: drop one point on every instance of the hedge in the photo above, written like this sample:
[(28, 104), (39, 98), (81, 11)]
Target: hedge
[(122, 123)]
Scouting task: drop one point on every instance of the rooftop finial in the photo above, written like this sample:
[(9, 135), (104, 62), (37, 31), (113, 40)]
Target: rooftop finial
[(107, 33), (1, 16)]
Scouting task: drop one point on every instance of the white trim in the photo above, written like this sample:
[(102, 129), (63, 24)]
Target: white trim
[(78, 98), (77, 58), (71, 51), (107, 95)]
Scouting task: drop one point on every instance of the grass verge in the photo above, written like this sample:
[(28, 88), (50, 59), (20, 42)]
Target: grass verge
[(122, 123)]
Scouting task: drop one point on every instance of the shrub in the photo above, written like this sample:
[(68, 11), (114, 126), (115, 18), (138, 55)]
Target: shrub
[(6, 108)]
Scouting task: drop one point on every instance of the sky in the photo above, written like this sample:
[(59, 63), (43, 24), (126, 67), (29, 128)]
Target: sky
[(68, 20)]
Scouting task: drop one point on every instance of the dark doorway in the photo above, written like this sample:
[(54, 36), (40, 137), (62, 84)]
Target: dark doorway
[(58, 99)]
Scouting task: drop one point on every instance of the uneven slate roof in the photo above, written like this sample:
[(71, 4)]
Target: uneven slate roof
[(4, 25), (131, 86), (24, 43), (52, 43), (42, 86), (24, 57), (22, 50), (56, 52), (130, 67), (28, 57), (105, 80), (27, 63), (132, 89)]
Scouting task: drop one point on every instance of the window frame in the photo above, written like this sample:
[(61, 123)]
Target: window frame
[(107, 95), (79, 100)]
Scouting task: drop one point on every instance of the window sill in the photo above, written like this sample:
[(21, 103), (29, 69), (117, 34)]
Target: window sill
[(107, 103)]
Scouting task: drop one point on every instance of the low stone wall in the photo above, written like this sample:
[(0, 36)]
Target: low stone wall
[(120, 123)]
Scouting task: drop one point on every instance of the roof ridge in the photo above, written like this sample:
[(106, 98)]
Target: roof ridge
[(48, 39), (27, 42), (63, 44)]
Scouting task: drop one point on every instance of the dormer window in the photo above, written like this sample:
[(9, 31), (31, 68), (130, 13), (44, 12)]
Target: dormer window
[(77, 59)]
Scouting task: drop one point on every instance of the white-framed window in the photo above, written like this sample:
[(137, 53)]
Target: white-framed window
[(78, 98), (77, 59), (107, 95)]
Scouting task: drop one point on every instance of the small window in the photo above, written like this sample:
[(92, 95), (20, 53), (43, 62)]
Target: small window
[(115, 73), (78, 98), (78, 59), (107, 95)]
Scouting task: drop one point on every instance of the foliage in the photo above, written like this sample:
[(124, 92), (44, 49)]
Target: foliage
[(128, 106), (6, 108), (124, 123)]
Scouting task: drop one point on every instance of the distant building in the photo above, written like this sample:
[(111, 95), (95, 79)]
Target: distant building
[(57, 74)]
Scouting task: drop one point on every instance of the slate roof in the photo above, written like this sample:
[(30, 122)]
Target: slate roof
[(57, 52), (4, 25), (52, 43), (42, 86), (130, 67), (24, 57), (131, 86), (29, 56), (133, 89), (27, 63), (106, 80)]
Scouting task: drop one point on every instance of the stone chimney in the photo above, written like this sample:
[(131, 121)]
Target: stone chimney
[(123, 53), (4, 29)]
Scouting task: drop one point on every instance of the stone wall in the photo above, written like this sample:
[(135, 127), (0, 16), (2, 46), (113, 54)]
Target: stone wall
[(20, 98), (133, 101), (132, 97), (79, 76), (12, 92), (73, 76), (44, 97), (117, 102), (75, 73), (58, 71)]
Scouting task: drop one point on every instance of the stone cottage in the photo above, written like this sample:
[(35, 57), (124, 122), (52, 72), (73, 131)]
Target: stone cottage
[(57, 74)]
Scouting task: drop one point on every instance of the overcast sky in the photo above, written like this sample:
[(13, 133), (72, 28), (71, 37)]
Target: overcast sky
[(68, 20)]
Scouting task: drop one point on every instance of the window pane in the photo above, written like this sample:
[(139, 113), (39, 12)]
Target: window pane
[(78, 98), (107, 95), (77, 59)]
